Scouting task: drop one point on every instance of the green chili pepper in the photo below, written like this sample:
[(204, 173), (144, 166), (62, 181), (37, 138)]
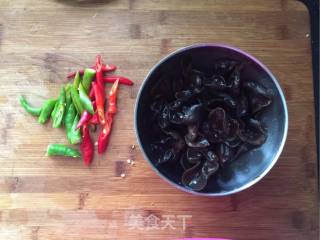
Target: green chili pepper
[(68, 101), (32, 110), (71, 121), (68, 96), (46, 110), (54, 109), (75, 134), (59, 109), (76, 81), (85, 100), (62, 150), (87, 78), (70, 115), (74, 91), (76, 100)]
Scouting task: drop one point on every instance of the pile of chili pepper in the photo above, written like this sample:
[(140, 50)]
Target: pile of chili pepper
[(79, 106)]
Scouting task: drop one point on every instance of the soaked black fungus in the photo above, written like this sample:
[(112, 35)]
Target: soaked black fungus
[(203, 121)]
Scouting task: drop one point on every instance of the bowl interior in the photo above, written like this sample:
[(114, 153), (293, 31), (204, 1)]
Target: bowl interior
[(249, 167)]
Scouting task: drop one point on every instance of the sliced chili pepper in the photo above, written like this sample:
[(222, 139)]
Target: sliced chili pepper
[(46, 110), (76, 100), (94, 105), (75, 134), (76, 81), (84, 119), (105, 68), (112, 109), (122, 80), (112, 106), (86, 146), (94, 119), (99, 102), (99, 90), (59, 109), (87, 78), (70, 115), (68, 95), (91, 94), (103, 139), (75, 95), (99, 75), (85, 100), (71, 121), (68, 101), (108, 68), (55, 109), (32, 110), (62, 150)]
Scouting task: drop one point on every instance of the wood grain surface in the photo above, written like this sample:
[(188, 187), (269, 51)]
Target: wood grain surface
[(47, 199)]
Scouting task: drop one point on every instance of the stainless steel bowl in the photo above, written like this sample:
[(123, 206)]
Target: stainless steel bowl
[(250, 167)]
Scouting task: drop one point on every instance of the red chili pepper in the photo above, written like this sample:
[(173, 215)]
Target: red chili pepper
[(112, 109), (85, 117), (91, 94), (122, 80), (86, 146), (100, 102), (103, 139), (94, 105), (112, 104), (105, 68), (95, 119), (99, 91), (99, 73)]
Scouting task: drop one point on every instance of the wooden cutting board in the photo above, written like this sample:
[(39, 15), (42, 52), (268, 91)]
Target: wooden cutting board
[(45, 198)]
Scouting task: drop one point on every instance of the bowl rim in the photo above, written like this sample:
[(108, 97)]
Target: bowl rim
[(247, 55)]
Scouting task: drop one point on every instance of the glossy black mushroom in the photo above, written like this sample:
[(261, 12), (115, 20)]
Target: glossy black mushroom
[(253, 133), (188, 115), (223, 67), (226, 154), (166, 157), (176, 148), (190, 158), (199, 143), (222, 100), (157, 105), (206, 120), (258, 96), (179, 142), (218, 120), (234, 142), (233, 82), (193, 132), (231, 130), (184, 95), (163, 118), (216, 82), (209, 133), (197, 79), (196, 177), (176, 105), (242, 106)]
